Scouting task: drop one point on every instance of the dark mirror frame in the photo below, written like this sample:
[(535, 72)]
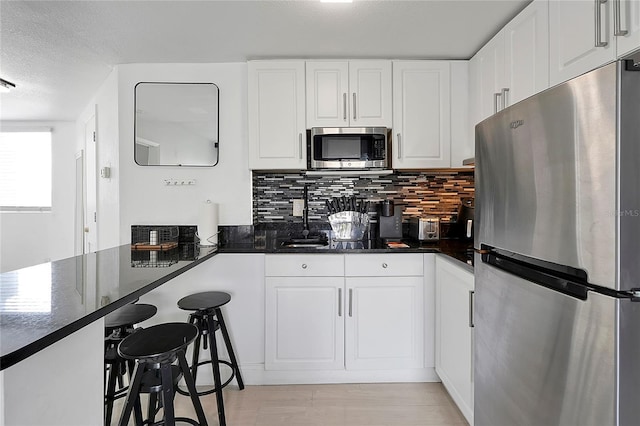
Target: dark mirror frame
[(215, 145)]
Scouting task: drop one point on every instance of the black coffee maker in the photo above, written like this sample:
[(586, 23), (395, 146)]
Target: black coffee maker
[(390, 221)]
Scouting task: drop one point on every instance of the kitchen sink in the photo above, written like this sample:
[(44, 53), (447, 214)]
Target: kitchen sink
[(305, 242)]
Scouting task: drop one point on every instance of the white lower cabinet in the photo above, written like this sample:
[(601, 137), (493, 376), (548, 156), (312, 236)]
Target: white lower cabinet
[(385, 314), (345, 312), (454, 332), (304, 328)]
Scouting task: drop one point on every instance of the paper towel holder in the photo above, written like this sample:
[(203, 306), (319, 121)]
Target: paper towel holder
[(207, 229)]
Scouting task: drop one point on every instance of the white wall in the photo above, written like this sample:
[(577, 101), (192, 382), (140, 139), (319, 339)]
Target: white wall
[(28, 239), (144, 198)]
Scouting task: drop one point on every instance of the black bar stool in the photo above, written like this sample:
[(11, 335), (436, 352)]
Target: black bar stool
[(208, 317), (118, 325), (154, 350)]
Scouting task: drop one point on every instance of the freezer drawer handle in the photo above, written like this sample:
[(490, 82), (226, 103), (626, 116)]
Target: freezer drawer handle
[(536, 273), (635, 294)]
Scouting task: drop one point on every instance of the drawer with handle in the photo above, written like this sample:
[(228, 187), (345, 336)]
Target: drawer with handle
[(304, 265), (380, 265)]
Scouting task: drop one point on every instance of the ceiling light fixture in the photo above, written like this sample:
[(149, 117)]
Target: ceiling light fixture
[(6, 86), (336, 1)]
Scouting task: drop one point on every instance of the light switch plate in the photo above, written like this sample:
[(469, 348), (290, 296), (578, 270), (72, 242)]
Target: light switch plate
[(298, 207)]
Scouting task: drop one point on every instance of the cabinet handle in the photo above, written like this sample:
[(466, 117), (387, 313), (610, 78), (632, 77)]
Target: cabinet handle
[(598, 16), (505, 97), (354, 105), (471, 302), (399, 147), (617, 18), (339, 302), (350, 302), (304, 266), (384, 265), (344, 106), (300, 145), (496, 102)]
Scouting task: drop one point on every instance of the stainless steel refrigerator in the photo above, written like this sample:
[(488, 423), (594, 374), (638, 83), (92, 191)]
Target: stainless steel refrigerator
[(557, 263)]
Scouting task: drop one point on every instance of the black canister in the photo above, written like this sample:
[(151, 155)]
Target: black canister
[(386, 208)]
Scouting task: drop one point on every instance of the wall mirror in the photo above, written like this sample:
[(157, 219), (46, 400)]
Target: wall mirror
[(176, 124)]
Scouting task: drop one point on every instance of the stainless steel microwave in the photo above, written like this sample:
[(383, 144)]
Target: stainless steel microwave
[(348, 148)]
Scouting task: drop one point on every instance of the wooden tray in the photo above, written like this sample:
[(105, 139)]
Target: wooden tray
[(156, 247)]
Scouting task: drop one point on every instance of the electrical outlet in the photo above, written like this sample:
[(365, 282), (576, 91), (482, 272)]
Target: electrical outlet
[(298, 207)]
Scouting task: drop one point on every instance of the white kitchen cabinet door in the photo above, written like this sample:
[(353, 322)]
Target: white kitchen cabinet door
[(276, 115), (384, 323), (629, 19), (488, 68), (304, 323), (421, 114), (348, 93), (327, 94), (454, 334), (575, 46), (526, 41), (370, 86)]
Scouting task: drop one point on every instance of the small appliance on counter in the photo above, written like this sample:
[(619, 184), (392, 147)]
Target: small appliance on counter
[(464, 223), (390, 221), (424, 228)]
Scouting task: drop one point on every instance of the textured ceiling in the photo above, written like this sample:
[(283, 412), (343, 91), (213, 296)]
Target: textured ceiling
[(59, 52)]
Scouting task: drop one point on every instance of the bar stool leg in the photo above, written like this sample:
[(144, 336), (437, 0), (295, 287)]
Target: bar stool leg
[(111, 389), (196, 356), (191, 387), (167, 394), (151, 410), (227, 342), (133, 395), (213, 349)]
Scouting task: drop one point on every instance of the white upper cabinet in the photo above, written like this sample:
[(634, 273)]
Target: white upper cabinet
[(513, 65), (277, 132), (627, 26), (584, 36), (526, 53), (421, 114), (487, 79), (580, 37), (348, 93)]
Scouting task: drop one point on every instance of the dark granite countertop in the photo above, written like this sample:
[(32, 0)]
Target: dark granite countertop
[(42, 304), (270, 239)]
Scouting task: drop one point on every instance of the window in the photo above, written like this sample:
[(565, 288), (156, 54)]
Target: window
[(25, 170)]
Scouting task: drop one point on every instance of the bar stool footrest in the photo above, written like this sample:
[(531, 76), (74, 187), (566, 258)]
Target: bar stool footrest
[(210, 391)]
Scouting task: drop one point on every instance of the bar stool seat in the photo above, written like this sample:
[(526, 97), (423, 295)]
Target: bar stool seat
[(118, 325), (154, 350), (208, 317)]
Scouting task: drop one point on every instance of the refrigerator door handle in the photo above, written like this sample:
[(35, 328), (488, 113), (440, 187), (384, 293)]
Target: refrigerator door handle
[(471, 302)]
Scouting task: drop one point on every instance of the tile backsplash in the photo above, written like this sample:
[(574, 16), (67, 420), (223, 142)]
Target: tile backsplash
[(422, 193)]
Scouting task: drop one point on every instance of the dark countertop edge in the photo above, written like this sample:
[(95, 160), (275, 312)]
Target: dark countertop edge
[(23, 353), (426, 250), (458, 262)]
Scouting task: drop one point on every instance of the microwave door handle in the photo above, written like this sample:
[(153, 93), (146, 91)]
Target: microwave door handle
[(344, 106), (300, 145), (399, 147)]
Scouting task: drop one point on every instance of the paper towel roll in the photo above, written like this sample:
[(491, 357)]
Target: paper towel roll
[(208, 224)]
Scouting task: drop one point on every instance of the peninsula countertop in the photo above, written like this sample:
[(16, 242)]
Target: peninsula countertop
[(42, 304)]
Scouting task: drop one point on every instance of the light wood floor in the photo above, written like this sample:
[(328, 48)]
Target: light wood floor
[(406, 404)]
